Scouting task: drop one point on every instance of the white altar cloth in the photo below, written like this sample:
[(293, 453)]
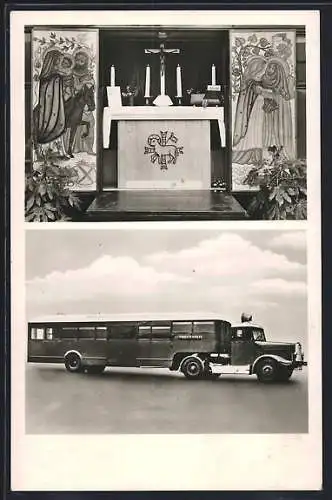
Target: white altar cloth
[(162, 113)]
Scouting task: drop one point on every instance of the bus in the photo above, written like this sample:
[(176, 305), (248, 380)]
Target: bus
[(199, 348)]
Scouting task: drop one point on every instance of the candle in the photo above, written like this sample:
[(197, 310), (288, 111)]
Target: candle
[(213, 73), (112, 76), (147, 81), (162, 83), (178, 81)]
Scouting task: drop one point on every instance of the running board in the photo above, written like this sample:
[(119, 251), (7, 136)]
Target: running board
[(230, 370)]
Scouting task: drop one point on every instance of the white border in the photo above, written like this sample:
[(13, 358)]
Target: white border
[(155, 462)]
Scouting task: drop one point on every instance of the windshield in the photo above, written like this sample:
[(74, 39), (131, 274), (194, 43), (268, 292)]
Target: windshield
[(258, 334)]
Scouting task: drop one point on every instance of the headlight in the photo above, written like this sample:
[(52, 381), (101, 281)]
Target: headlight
[(298, 352)]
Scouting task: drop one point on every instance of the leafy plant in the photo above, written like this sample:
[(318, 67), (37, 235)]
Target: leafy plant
[(47, 195), (283, 187)]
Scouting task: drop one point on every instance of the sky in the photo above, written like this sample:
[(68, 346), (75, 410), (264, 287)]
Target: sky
[(160, 271)]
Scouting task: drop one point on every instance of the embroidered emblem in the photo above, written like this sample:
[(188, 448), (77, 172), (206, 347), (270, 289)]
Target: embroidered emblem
[(163, 149)]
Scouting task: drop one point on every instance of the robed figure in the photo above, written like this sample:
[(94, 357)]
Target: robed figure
[(50, 122), (263, 115)]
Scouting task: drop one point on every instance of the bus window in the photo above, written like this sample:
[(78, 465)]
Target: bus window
[(182, 327), (40, 333), (204, 327), (33, 333), (125, 331), (49, 333), (161, 331), (68, 332), (86, 332), (101, 332), (144, 331)]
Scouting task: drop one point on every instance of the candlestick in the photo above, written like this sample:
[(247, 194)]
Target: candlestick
[(213, 74), (112, 76), (147, 81), (178, 81)]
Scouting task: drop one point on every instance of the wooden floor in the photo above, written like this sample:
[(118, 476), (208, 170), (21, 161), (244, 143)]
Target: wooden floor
[(164, 205)]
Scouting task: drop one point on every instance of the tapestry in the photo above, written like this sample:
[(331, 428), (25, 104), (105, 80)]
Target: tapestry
[(263, 99), (64, 76)]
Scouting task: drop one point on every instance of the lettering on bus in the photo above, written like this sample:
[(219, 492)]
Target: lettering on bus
[(189, 337)]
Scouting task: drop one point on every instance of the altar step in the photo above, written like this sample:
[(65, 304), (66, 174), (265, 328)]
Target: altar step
[(137, 205)]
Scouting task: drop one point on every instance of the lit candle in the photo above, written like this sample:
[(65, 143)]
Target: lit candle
[(178, 81), (147, 81), (112, 76), (213, 73)]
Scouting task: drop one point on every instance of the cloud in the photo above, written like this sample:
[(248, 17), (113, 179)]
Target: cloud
[(294, 240), (227, 256), (279, 286), (113, 276), (224, 275)]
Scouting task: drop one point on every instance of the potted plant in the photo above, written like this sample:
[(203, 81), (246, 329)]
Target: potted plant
[(283, 187), (47, 193)]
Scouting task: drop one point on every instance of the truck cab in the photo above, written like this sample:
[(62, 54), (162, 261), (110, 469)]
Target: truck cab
[(252, 353)]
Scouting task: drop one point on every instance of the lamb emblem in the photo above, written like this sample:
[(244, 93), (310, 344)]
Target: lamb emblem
[(163, 149)]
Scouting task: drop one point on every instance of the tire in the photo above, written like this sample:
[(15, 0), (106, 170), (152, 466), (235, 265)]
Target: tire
[(285, 373), (192, 368), (95, 370), (73, 363), (267, 370)]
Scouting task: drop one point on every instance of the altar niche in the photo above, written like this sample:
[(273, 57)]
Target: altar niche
[(200, 148)]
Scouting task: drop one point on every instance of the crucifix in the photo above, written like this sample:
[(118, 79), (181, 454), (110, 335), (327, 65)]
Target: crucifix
[(162, 99)]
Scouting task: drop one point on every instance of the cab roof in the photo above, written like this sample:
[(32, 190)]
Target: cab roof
[(247, 324)]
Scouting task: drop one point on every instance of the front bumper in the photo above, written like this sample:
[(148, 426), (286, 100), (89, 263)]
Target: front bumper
[(297, 365)]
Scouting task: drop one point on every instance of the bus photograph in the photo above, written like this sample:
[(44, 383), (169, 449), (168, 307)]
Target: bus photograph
[(148, 331)]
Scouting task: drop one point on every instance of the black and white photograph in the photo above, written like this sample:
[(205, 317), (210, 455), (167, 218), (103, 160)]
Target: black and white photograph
[(166, 330), (165, 122), (208, 336)]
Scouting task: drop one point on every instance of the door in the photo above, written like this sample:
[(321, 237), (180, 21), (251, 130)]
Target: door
[(155, 344), (122, 344), (44, 344), (243, 347), (161, 346)]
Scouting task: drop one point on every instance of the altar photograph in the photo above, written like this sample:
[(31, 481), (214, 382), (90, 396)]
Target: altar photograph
[(165, 123)]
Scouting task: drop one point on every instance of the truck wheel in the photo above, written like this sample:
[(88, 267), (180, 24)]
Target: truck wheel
[(192, 368), (267, 370), (95, 370), (285, 373), (73, 362)]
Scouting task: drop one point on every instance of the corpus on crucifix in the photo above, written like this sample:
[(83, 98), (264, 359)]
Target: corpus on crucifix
[(162, 99)]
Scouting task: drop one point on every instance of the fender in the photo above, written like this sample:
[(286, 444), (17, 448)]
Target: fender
[(191, 356), (72, 351), (279, 359)]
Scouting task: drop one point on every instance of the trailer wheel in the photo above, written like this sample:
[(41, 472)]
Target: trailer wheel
[(73, 362), (267, 370), (285, 373), (192, 368)]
